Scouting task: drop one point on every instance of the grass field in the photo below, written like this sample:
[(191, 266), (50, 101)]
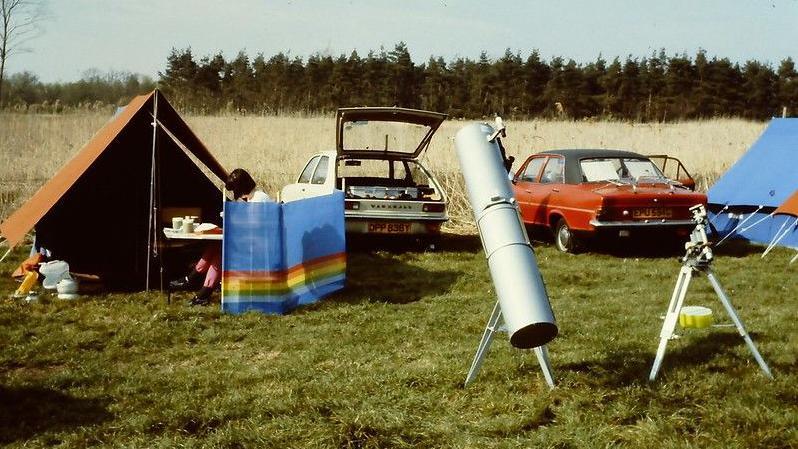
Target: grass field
[(382, 363)]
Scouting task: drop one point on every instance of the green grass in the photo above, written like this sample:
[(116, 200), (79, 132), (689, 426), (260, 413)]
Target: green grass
[(382, 363)]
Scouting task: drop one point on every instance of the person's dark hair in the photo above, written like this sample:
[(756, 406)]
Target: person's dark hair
[(240, 183)]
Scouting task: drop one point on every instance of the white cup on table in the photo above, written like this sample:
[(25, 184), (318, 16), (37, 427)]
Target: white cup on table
[(188, 226)]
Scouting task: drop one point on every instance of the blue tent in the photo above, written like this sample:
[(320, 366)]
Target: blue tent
[(743, 201)]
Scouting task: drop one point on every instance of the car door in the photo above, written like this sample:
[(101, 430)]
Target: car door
[(313, 181), (527, 189), (673, 169), (550, 193)]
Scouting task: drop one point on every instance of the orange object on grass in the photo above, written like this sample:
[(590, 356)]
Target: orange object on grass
[(28, 265)]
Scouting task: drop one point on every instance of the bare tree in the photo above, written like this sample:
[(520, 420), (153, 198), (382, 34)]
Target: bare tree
[(18, 24)]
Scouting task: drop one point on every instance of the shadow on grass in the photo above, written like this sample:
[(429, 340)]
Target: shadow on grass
[(620, 368), (738, 248), (650, 246), (459, 243), (701, 349), (386, 277), (632, 365), (28, 411), (445, 243)]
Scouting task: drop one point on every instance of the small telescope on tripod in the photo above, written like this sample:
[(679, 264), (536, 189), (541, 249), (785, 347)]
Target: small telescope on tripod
[(698, 259)]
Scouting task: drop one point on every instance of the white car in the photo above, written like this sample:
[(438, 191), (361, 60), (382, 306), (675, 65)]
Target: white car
[(376, 164)]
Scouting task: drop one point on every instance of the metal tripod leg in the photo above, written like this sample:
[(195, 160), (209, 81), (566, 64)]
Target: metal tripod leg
[(672, 317), (484, 343), (737, 322), (494, 325), (543, 359)]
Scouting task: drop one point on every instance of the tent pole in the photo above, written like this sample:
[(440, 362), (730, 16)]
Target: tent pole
[(6, 254), (151, 236)]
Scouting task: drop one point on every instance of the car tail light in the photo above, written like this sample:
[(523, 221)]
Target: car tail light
[(433, 207), (351, 205)]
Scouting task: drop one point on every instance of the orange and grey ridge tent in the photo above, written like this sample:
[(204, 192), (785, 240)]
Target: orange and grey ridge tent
[(787, 208), (103, 212)]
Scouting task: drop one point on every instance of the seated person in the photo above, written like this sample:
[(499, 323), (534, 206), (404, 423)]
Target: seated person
[(209, 265)]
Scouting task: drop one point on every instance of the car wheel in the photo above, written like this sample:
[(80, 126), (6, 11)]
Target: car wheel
[(564, 238)]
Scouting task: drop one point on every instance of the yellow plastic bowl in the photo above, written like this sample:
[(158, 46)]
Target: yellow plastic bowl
[(696, 317)]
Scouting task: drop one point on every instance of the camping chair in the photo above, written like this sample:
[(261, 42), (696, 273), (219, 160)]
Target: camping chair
[(166, 215)]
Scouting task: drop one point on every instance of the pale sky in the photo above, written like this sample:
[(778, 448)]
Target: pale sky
[(137, 35)]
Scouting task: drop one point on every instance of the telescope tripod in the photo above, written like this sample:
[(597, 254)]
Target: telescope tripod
[(698, 260), (495, 325)]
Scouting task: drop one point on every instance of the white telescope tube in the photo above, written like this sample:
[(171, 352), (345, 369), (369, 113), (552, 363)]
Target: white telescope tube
[(519, 286)]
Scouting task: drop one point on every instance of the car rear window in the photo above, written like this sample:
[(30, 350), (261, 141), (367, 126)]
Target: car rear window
[(615, 169), (383, 136), (640, 168)]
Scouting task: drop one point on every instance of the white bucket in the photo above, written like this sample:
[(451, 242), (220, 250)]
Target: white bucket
[(67, 289)]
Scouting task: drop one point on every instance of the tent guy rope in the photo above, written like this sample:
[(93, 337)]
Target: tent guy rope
[(780, 236), (770, 215), (739, 225)]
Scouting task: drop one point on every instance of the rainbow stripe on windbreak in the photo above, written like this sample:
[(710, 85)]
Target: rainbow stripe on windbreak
[(272, 286)]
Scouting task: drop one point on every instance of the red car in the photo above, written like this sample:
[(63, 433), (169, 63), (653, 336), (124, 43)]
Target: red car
[(582, 194)]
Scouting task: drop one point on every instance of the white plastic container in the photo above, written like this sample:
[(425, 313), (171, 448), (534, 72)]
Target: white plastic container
[(53, 272)]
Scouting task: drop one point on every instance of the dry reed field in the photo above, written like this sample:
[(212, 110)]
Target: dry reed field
[(275, 148)]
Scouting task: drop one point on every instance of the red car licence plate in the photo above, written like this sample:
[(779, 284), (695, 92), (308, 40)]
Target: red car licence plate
[(388, 228), (652, 212)]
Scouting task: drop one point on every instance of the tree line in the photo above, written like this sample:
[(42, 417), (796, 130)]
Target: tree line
[(95, 90), (654, 88)]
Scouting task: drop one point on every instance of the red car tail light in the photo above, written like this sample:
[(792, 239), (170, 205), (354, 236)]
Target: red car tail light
[(433, 207), (351, 205)]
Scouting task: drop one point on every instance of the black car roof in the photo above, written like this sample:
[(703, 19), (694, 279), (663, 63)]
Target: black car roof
[(582, 153), (573, 172)]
